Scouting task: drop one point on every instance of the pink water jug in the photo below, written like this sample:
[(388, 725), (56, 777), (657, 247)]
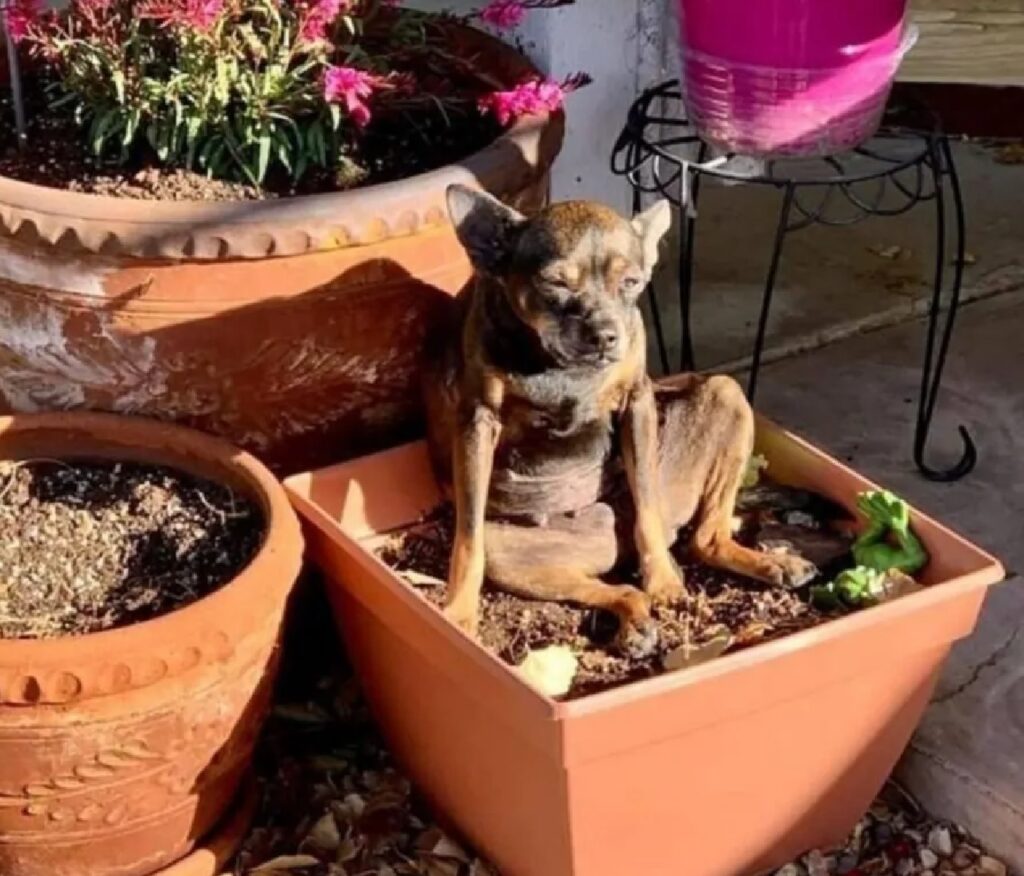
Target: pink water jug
[(790, 77)]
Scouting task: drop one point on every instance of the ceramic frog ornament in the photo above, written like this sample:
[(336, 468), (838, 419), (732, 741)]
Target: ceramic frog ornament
[(888, 519), (887, 553)]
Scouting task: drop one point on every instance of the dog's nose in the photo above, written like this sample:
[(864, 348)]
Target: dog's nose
[(607, 337)]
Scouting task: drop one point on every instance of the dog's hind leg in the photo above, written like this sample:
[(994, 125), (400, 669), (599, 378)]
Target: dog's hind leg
[(707, 438), (561, 562)]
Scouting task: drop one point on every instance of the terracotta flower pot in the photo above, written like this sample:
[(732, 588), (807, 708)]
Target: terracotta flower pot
[(121, 750), (725, 769), (292, 327)]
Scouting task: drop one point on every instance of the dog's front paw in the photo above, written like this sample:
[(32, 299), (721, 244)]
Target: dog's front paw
[(637, 639), (465, 618), (791, 571), (638, 634), (663, 582)]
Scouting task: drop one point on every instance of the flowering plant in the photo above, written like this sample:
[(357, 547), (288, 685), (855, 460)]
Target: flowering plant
[(245, 89)]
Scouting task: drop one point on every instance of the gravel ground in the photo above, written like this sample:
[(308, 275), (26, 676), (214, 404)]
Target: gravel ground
[(335, 805)]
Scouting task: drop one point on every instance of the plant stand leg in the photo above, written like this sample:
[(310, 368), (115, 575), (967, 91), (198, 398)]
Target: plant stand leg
[(769, 289), (943, 169)]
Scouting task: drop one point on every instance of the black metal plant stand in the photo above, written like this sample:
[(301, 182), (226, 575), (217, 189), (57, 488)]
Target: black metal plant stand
[(909, 162)]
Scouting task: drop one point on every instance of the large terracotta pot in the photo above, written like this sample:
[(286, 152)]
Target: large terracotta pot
[(730, 768), (121, 751), (292, 327)]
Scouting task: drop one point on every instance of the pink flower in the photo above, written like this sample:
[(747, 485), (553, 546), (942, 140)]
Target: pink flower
[(503, 14), (202, 14), (351, 87), (21, 15), (531, 97), (198, 14), (320, 16)]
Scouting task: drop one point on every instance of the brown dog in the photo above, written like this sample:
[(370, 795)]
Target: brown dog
[(541, 413)]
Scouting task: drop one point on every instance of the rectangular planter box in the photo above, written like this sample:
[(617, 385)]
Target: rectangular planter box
[(729, 768)]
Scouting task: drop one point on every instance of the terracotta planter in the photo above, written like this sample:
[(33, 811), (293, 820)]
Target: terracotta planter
[(726, 769), (121, 750), (292, 327)]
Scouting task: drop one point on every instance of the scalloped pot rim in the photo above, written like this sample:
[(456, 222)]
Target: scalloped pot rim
[(204, 230), (267, 578)]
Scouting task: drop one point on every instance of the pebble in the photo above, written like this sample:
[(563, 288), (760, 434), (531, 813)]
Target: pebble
[(847, 863), (929, 859), (963, 857), (816, 864), (940, 842)]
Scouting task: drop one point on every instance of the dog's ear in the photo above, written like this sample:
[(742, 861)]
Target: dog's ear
[(486, 228), (651, 226)]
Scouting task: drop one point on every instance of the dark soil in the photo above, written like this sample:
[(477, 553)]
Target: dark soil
[(716, 603), (399, 143), (87, 546)]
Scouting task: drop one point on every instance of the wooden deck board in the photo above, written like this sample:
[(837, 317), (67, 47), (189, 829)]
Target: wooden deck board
[(971, 41)]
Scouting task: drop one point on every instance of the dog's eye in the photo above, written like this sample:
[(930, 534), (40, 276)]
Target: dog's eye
[(557, 293), (631, 284)]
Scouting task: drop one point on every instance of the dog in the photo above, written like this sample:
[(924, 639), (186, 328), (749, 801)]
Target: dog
[(562, 458)]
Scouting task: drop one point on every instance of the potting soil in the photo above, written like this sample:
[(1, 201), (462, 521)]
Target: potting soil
[(87, 546), (719, 611)]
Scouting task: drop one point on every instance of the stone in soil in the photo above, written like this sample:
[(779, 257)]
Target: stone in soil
[(87, 546), (714, 602)]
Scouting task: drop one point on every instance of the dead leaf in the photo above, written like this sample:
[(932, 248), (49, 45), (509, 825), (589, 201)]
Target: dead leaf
[(1011, 153), (752, 632), (302, 714), (285, 863), (328, 763), (550, 670), (886, 252), (687, 655), (324, 836), (896, 584), (440, 867), (419, 579), (350, 808), (348, 849), (438, 844), (447, 848)]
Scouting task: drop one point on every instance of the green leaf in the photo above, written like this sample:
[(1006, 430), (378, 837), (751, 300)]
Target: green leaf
[(131, 128), (101, 126), (264, 155), (301, 166), (117, 76), (317, 145)]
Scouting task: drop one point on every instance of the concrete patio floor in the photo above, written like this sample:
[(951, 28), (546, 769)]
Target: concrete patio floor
[(837, 281), (857, 398)]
